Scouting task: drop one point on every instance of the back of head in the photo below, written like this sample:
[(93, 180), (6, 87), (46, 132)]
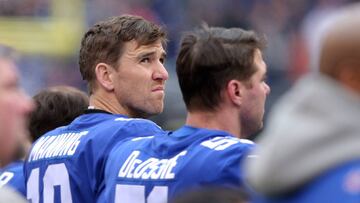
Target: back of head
[(103, 42), (209, 57), (55, 107), (340, 53)]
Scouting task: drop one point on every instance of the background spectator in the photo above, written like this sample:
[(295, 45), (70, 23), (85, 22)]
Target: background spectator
[(309, 151)]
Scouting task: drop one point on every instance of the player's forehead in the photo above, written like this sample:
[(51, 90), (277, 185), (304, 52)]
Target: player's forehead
[(133, 49)]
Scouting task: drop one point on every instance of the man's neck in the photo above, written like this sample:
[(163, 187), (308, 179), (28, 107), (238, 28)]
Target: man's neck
[(218, 120), (107, 103)]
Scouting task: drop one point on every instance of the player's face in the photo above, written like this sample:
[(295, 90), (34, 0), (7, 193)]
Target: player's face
[(14, 108), (140, 79), (252, 111)]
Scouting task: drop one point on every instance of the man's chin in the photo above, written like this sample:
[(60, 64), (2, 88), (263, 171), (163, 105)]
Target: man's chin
[(155, 112), (254, 132), (149, 113)]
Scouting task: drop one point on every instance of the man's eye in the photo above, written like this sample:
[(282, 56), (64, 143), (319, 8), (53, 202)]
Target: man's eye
[(162, 60), (145, 60)]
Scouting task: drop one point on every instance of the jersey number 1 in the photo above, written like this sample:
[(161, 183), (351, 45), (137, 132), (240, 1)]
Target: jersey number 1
[(55, 175)]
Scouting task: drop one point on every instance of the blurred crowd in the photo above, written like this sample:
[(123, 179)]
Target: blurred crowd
[(288, 25)]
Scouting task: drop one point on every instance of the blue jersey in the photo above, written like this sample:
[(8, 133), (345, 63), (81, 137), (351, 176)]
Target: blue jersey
[(341, 184), (67, 164), (157, 168), (12, 175)]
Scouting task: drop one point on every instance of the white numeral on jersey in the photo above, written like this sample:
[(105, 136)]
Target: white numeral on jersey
[(32, 186), (219, 143), (136, 194), (55, 175), (5, 178)]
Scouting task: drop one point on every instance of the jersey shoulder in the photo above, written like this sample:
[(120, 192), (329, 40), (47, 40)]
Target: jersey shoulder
[(221, 144), (98, 135), (114, 124), (222, 157), (138, 124), (12, 175)]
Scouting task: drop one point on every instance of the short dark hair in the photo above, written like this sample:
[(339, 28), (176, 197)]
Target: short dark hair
[(104, 42), (209, 58), (56, 106), (212, 195)]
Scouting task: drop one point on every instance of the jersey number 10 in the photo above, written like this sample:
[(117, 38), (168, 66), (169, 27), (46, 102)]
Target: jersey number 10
[(55, 175)]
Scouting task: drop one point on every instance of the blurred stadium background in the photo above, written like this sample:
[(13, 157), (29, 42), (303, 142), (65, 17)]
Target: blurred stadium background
[(47, 34)]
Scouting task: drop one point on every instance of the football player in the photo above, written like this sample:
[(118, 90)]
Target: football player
[(122, 60), (221, 74)]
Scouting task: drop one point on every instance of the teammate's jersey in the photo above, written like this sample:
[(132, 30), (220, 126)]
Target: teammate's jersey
[(157, 168), (341, 184), (12, 175), (67, 164)]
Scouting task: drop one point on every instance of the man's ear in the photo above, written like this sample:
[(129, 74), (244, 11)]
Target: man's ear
[(103, 74), (234, 90)]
